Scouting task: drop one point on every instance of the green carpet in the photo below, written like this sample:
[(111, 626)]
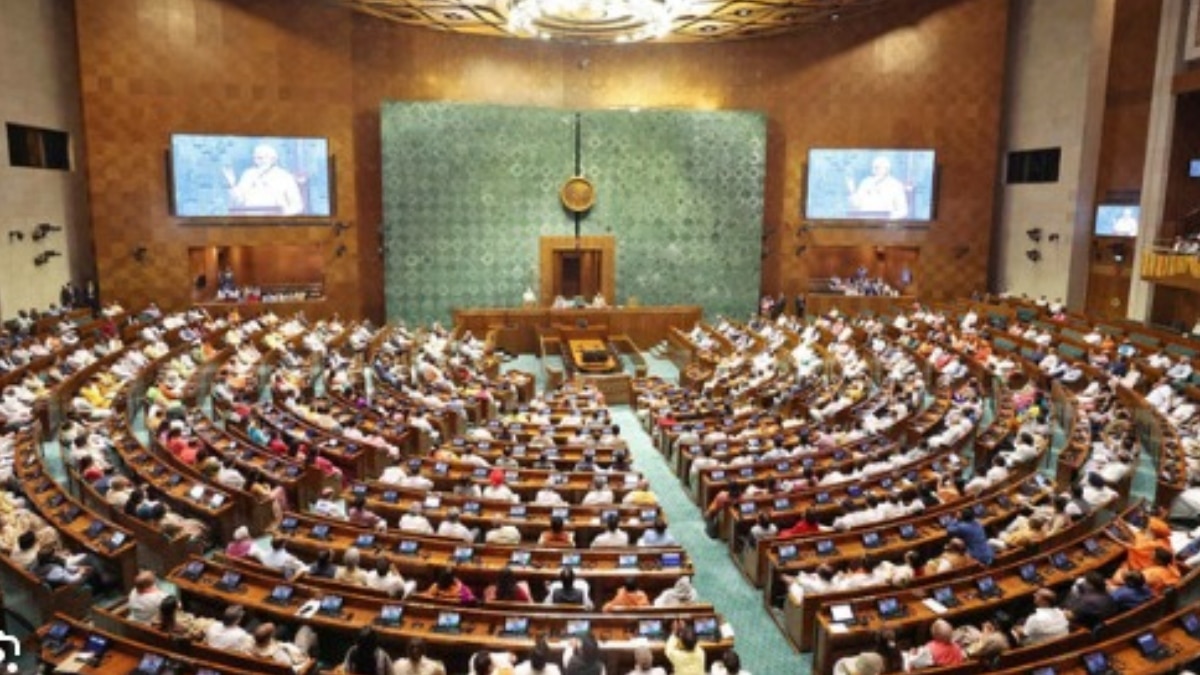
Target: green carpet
[(757, 639), (763, 649)]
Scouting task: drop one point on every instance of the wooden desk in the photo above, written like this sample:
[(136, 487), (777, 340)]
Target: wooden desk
[(116, 620), (832, 643), (56, 506), (584, 353), (601, 568), (518, 327), (478, 628), (820, 304), (123, 654), (1124, 657)]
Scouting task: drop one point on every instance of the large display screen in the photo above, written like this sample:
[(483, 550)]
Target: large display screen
[(1117, 220), (250, 176), (870, 185)]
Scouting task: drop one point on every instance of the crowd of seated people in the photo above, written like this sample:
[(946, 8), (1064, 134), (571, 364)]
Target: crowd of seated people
[(443, 377)]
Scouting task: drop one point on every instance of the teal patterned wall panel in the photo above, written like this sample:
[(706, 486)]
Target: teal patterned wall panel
[(468, 189), (682, 191)]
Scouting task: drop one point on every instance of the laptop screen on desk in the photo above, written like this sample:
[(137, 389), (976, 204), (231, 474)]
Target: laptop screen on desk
[(1096, 663), (151, 664), (391, 614), (1148, 644)]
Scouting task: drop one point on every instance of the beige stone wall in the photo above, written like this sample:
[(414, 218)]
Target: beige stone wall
[(1057, 66), (40, 78)]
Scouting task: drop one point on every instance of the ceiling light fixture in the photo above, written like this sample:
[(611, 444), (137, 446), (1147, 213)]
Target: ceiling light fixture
[(595, 20)]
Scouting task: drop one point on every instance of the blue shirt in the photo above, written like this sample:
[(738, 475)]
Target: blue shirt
[(974, 536), (1127, 597)]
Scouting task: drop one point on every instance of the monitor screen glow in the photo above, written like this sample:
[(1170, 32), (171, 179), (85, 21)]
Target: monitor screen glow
[(870, 184), (1117, 220), (218, 176)]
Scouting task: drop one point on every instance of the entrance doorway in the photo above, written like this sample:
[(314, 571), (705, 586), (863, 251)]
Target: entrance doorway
[(582, 269)]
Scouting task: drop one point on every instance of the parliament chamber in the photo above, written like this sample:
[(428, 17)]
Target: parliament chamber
[(662, 337)]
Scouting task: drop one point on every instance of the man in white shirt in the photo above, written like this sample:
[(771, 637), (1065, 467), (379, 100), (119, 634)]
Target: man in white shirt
[(385, 578), (1096, 493), (415, 521), (600, 492), (1047, 621), (145, 598), (613, 536), (548, 496), (278, 558), (453, 527), (329, 507), (229, 476), (1161, 397), (228, 635)]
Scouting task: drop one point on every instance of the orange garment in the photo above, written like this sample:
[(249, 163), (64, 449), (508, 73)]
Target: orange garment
[(625, 599), (1161, 577), (1139, 553)]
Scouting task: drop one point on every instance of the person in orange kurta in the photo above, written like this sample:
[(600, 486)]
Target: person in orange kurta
[(1160, 575), (1141, 544), (629, 596)]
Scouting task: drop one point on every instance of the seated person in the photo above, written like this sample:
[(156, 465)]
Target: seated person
[(1131, 592), (1047, 622), (679, 595), (145, 598), (242, 545), (385, 577), (941, 649), (56, 570), (228, 634), (178, 623), (415, 662), (324, 567), (557, 535), (351, 571), (449, 588), (628, 596), (657, 535), (613, 536), (643, 662), (294, 654), (568, 590), (1089, 603), (507, 589)]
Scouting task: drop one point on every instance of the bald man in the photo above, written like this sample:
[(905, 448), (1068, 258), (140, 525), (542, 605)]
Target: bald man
[(939, 651)]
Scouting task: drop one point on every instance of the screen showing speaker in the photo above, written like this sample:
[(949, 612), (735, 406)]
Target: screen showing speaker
[(1117, 220), (267, 177), (866, 184)]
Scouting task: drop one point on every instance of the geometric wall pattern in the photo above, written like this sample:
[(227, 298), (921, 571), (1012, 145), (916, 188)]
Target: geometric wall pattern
[(469, 189), (466, 192)]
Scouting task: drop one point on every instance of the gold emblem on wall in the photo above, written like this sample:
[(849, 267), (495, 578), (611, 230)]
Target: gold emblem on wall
[(577, 194)]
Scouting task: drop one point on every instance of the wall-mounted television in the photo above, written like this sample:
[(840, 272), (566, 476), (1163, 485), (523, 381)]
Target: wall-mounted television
[(1194, 168), (215, 176), (1117, 220), (868, 184)]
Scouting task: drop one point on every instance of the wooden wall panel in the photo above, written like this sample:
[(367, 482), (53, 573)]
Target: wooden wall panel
[(151, 68), (1123, 144), (926, 73)]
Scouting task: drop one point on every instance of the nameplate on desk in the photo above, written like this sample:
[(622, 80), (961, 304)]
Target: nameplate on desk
[(934, 606)]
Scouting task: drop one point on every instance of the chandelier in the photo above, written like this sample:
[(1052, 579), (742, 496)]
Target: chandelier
[(595, 20)]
